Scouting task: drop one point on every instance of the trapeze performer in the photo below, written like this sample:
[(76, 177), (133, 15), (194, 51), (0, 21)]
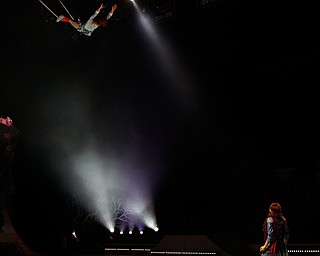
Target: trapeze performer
[(92, 23), (8, 141)]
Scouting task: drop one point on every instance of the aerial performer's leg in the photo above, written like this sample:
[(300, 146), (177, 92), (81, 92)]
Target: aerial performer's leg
[(63, 18)]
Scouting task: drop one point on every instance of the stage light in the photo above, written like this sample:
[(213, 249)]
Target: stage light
[(181, 79), (74, 234)]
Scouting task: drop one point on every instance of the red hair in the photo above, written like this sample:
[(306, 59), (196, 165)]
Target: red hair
[(276, 211), (100, 21)]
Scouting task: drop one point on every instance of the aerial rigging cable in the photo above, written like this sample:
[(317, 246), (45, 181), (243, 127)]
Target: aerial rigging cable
[(53, 12), (66, 9), (48, 8)]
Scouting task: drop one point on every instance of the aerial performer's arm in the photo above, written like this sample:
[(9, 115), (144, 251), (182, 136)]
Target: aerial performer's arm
[(96, 12), (113, 8)]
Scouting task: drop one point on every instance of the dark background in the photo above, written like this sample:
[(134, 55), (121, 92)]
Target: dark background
[(247, 137)]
